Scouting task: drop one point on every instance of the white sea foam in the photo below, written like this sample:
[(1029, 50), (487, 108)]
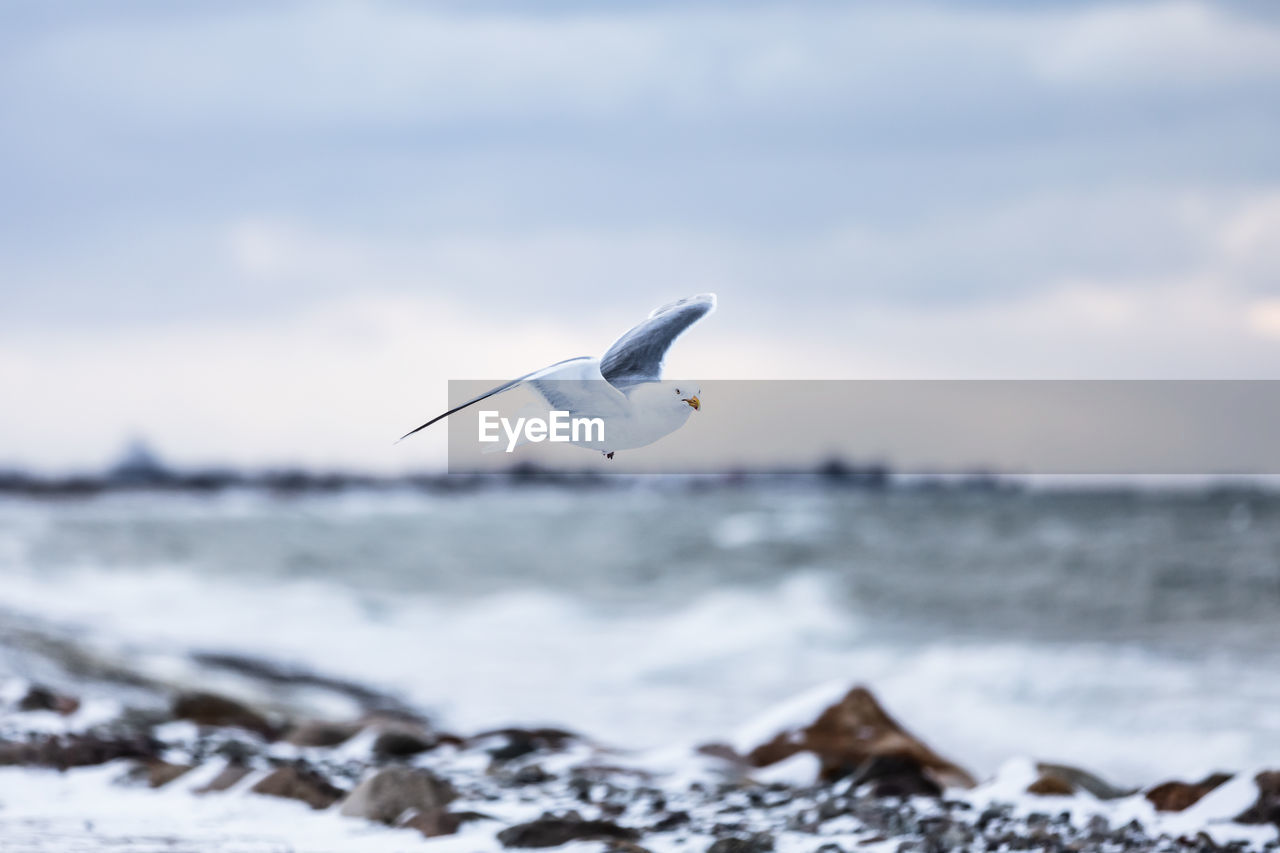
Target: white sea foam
[(641, 678)]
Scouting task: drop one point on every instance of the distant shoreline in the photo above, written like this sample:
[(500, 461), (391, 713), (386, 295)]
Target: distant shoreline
[(833, 474)]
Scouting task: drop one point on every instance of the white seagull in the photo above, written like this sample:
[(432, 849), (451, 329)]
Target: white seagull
[(624, 387)]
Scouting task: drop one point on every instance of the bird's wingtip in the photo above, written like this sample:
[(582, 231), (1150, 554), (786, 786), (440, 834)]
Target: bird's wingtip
[(708, 299)]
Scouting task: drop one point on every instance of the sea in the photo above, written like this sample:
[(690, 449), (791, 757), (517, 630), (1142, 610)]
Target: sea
[(1134, 632)]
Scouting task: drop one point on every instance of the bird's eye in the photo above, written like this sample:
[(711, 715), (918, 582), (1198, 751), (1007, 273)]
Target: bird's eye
[(677, 390)]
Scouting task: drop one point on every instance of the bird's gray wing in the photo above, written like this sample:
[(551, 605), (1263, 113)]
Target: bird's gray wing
[(506, 386), (637, 356), (579, 389)]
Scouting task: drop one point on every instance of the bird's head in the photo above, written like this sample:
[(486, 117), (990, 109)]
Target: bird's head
[(683, 394), (676, 398)]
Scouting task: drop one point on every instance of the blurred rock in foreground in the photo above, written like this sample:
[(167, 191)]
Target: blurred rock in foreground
[(216, 773)]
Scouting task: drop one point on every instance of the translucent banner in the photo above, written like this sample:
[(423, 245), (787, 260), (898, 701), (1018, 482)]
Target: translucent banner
[(926, 427)]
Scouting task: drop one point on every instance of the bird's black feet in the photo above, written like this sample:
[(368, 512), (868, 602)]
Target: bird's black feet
[(609, 455)]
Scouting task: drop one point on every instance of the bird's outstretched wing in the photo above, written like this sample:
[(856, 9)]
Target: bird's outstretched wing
[(506, 386), (637, 356), (578, 388)]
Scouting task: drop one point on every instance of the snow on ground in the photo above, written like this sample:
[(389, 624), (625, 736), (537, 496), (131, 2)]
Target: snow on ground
[(83, 810), (1212, 815)]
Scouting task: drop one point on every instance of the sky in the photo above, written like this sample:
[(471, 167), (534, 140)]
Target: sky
[(261, 234)]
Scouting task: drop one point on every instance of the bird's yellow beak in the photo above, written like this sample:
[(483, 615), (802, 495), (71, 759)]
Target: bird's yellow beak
[(694, 402)]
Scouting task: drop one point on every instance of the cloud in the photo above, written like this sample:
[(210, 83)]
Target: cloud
[(1264, 318), (305, 66), (336, 384), (1158, 46), (1250, 241), (260, 231), (1135, 239)]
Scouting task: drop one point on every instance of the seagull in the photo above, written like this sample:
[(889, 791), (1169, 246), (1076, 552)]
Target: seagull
[(624, 387)]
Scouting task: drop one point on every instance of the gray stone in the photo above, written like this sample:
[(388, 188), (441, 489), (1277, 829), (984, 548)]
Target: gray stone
[(392, 791)]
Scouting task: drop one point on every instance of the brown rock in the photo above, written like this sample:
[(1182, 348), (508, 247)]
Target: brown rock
[(1051, 785), (153, 772), (161, 773), (760, 842), (41, 698), (390, 792), (895, 776), (1065, 780), (210, 709), (64, 751), (521, 742), (723, 751), (433, 822), (1267, 807), (1176, 796), (402, 742), (553, 831), (670, 821), (403, 736), (230, 775), (851, 732), (299, 783), (321, 733), (730, 766), (617, 845)]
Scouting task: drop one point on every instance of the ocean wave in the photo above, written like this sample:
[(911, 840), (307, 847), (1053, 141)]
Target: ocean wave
[(646, 676)]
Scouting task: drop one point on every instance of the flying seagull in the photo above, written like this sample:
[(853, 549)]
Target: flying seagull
[(624, 387)]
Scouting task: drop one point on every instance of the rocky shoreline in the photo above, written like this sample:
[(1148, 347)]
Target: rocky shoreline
[(845, 777)]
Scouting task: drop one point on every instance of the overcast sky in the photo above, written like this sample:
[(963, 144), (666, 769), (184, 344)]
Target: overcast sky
[(262, 233)]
